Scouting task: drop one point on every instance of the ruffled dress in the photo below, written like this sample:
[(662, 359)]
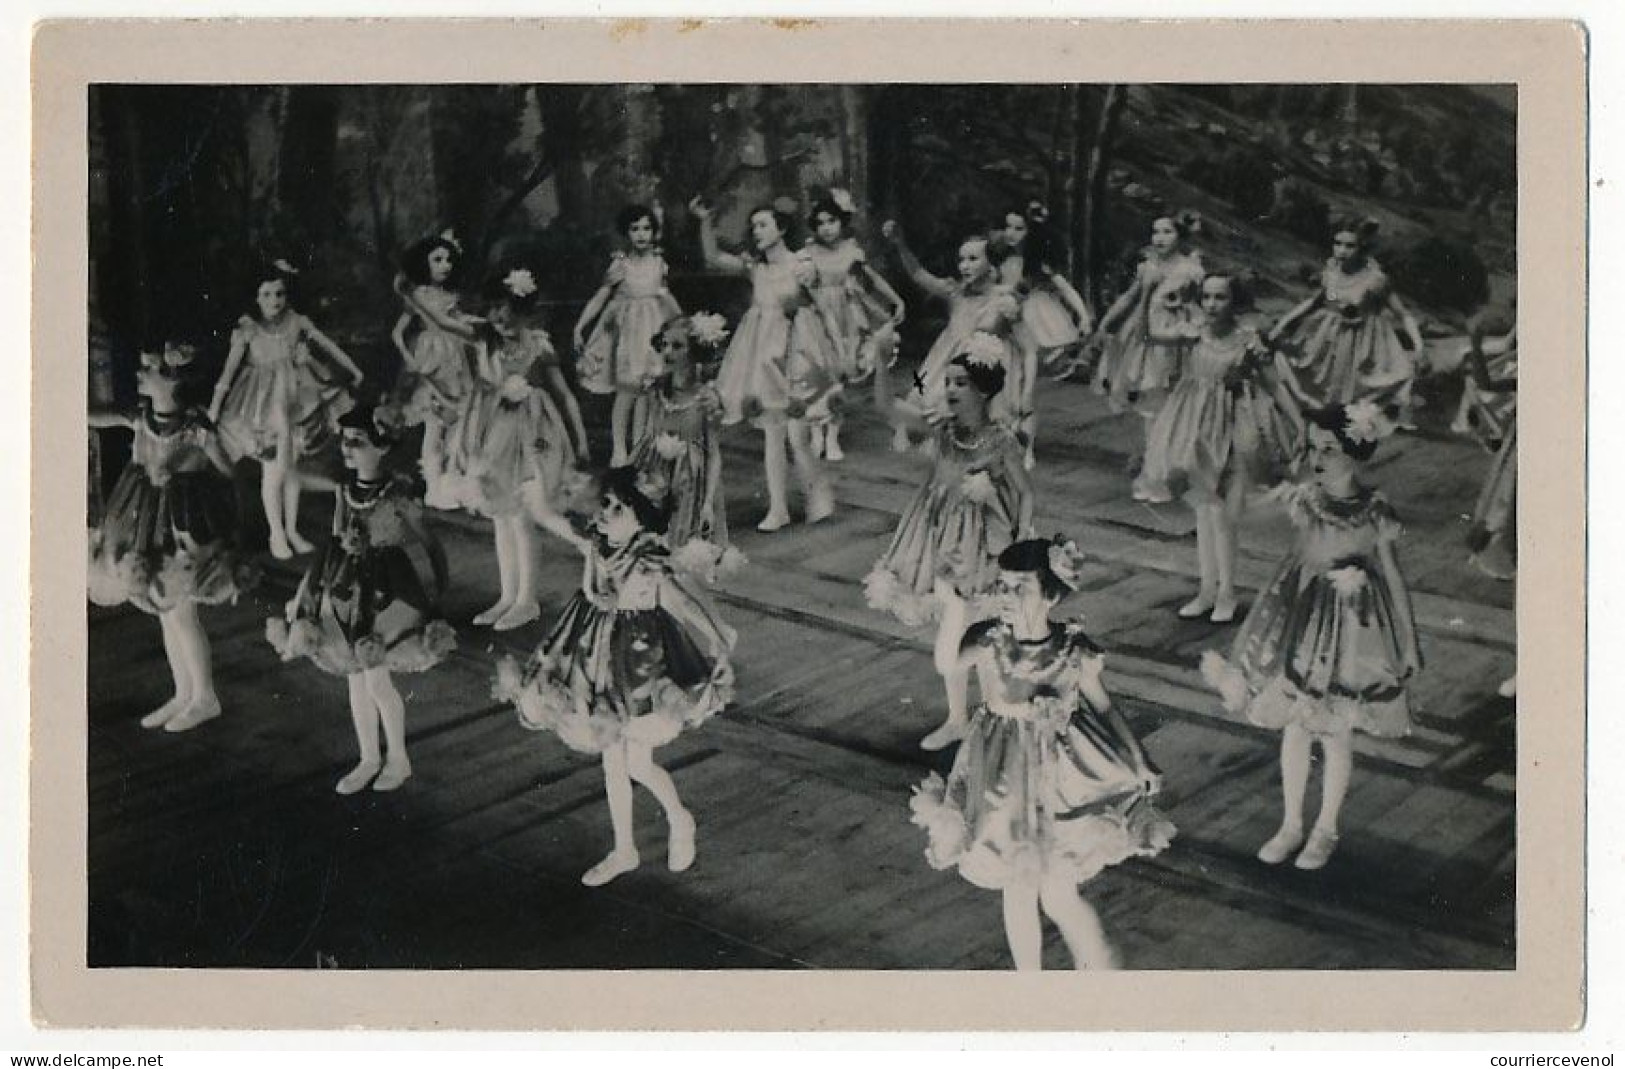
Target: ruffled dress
[(1218, 425), (1045, 324), (1348, 349), (364, 603), (279, 390), (1041, 786), (1331, 643), (637, 656), (861, 320), (440, 372), (512, 445), (960, 521), (168, 532), (683, 448), (783, 360), (1146, 351), (990, 309), (619, 353)]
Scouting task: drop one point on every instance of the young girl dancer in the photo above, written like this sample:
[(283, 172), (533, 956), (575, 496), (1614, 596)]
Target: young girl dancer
[(1050, 786), (976, 303), (1222, 426), (636, 658), (976, 501), (1494, 536), (364, 609), (784, 361), (1145, 333), (439, 358), (865, 309), (165, 542), (273, 402), (516, 447), (683, 447), (625, 314), (1341, 339), (1330, 646), (1054, 315)]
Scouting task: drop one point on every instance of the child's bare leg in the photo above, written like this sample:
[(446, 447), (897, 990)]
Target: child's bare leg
[(1021, 926), (1079, 924), (957, 686), (507, 574), (524, 608), (620, 428), (814, 483), (679, 821), (623, 858), (178, 672), (273, 476), (392, 715), (1338, 751), (193, 645), (1206, 562), (776, 463), (364, 715), (1225, 514), (292, 490), (1295, 748)]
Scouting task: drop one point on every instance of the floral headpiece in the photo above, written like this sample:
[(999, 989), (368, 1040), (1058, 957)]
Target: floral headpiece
[(652, 485), (285, 267), (1065, 560), (171, 359), (708, 329), (520, 282), (449, 236), (389, 421), (984, 350), (1037, 211), (1364, 421), (843, 200)]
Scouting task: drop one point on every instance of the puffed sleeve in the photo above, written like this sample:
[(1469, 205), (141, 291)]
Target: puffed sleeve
[(978, 636)]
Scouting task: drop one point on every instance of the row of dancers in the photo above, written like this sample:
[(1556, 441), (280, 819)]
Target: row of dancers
[(1048, 785)]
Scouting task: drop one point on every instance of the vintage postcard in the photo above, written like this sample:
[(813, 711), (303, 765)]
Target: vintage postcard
[(858, 525)]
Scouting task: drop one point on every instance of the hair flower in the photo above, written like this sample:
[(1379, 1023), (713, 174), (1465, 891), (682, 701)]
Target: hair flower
[(449, 236), (284, 266), (708, 328), (1362, 422), (1065, 560), (984, 350), (652, 485), (843, 200), (178, 355), (520, 282)]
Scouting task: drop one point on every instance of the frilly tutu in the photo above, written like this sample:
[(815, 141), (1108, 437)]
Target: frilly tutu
[(883, 590), (708, 561), (327, 647), (545, 706)]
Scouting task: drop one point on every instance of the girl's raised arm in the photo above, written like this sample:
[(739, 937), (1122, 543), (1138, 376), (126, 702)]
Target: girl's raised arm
[(1072, 299), (936, 287), (715, 258)]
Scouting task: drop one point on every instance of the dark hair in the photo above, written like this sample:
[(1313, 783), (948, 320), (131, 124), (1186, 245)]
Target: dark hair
[(997, 248), (987, 380), (623, 483), (415, 260), (1040, 245), (364, 417), (826, 205), (1186, 222), (1364, 229), (274, 271), (1239, 284), (631, 214), (1032, 555), (784, 219), (1334, 418)]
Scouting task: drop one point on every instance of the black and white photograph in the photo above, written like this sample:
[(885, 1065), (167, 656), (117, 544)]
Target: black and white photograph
[(835, 526)]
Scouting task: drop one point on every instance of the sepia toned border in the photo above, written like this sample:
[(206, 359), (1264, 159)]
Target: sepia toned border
[(1545, 59)]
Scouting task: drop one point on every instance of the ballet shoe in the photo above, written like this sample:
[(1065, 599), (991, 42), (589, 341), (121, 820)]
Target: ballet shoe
[(900, 442), (199, 712), (519, 615), (832, 451), (1508, 688), (280, 548), (821, 505), (1281, 846), (1224, 610), (618, 863), (394, 774), (773, 521), (357, 778), (165, 712), (1197, 607), (1318, 852), (299, 544), (680, 846), (493, 614), (945, 736)]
